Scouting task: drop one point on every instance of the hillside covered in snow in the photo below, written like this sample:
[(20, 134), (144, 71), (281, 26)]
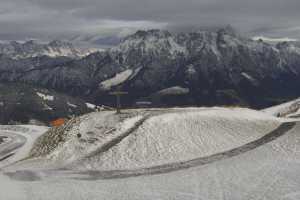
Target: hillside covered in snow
[(179, 153), (289, 109), (140, 139)]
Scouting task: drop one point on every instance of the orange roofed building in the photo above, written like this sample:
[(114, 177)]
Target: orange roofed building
[(58, 122)]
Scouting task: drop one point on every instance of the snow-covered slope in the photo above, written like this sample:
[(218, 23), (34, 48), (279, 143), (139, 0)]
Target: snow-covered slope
[(182, 135), (147, 138), (267, 171), (289, 109), (270, 172), (83, 136)]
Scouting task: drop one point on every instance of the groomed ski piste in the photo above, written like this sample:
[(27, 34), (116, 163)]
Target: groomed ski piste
[(180, 153)]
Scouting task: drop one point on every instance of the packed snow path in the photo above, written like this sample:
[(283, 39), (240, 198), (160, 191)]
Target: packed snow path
[(17, 142), (11, 143)]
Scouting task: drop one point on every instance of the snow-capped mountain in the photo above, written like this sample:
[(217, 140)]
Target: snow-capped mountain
[(56, 48), (211, 67), (150, 43)]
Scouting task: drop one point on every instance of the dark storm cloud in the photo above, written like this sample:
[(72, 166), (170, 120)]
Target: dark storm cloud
[(52, 18)]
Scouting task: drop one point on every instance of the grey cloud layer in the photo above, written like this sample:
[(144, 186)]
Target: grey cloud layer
[(34, 18)]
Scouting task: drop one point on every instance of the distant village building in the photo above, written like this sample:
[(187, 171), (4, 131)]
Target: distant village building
[(143, 104)]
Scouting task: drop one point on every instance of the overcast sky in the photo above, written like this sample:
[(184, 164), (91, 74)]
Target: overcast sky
[(40, 19)]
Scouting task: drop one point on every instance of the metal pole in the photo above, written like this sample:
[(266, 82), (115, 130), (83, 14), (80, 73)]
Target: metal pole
[(118, 103)]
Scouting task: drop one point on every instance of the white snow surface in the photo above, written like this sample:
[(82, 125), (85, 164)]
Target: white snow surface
[(274, 40), (284, 110), (30, 132), (91, 106), (182, 136), (166, 136), (176, 90), (45, 96), (96, 130), (250, 78), (151, 44), (295, 114), (99, 129), (269, 172), (116, 80)]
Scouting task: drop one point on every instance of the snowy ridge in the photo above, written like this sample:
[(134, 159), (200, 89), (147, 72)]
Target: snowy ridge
[(289, 109), (181, 136), (73, 149), (56, 48), (80, 137), (147, 138)]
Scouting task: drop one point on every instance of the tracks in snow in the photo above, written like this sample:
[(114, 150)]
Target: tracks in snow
[(116, 140), (281, 130), (113, 174), (15, 142)]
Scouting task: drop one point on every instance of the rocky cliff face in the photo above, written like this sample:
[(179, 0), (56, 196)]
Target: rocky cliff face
[(198, 68)]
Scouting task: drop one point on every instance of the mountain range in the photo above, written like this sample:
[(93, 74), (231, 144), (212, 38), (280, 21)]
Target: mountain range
[(218, 67), (31, 48)]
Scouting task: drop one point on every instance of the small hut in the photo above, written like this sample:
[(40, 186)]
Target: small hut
[(143, 104), (58, 122)]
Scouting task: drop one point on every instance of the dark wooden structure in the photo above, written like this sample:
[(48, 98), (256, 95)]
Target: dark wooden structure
[(118, 95)]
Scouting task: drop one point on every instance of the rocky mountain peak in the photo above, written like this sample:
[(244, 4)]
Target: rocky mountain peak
[(31, 42), (144, 34), (227, 30), (60, 43), (150, 43), (32, 48)]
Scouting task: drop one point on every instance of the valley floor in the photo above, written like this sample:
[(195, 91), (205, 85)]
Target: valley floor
[(247, 155)]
